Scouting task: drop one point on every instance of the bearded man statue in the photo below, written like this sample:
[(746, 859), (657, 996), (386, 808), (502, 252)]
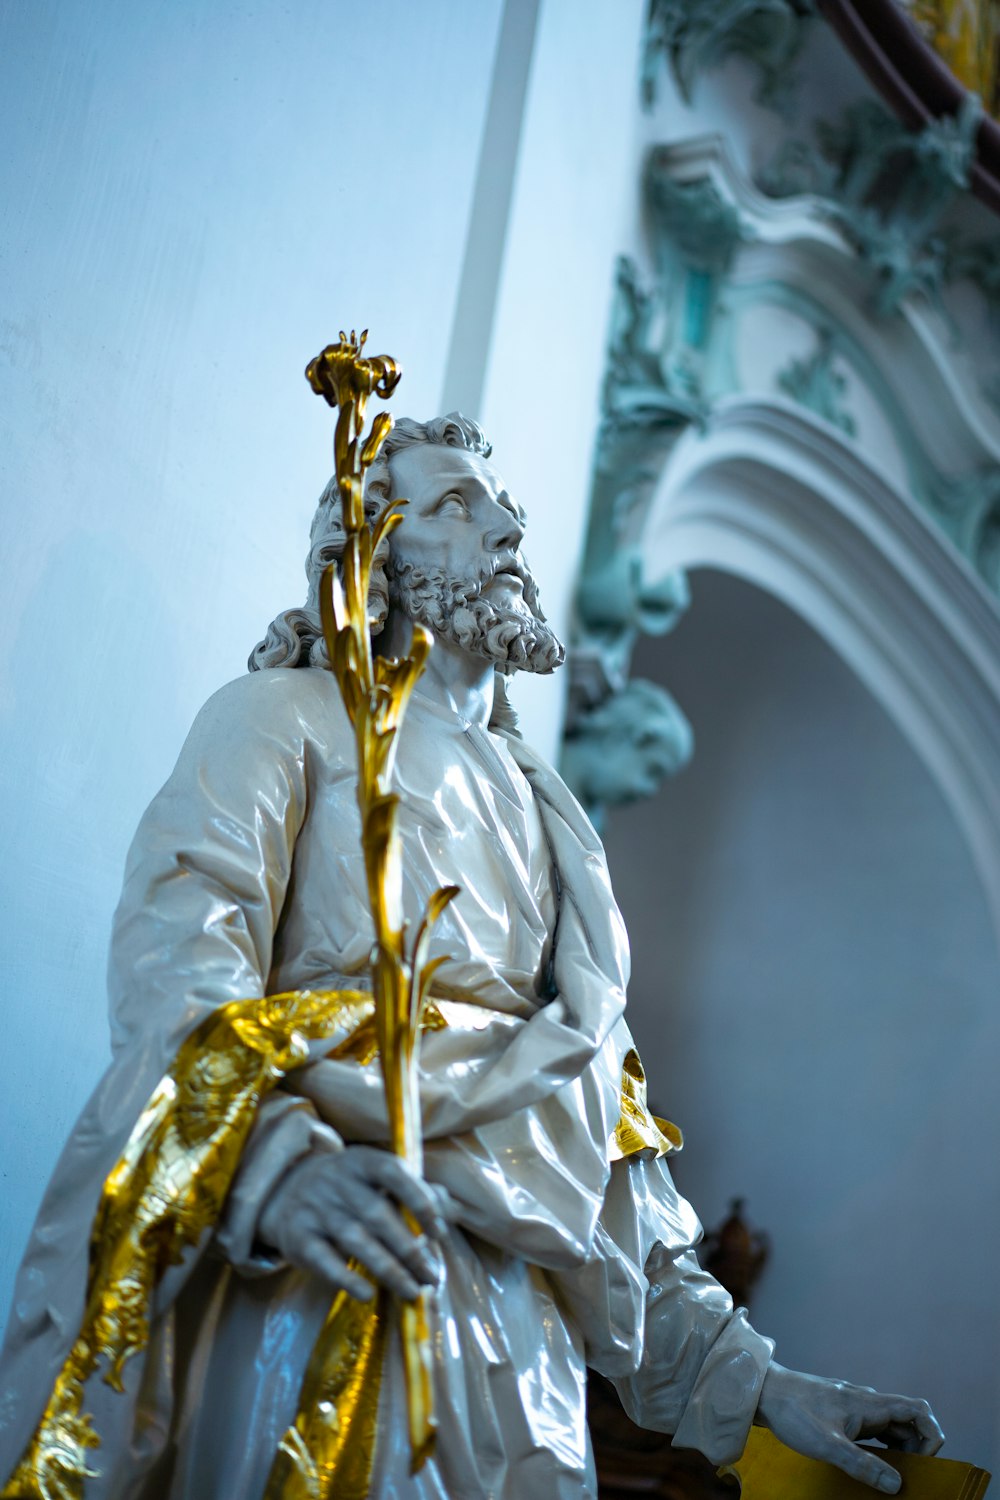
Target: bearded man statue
[(549, 1241)]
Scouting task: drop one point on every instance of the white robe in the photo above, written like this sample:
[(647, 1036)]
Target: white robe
[(246, 878)]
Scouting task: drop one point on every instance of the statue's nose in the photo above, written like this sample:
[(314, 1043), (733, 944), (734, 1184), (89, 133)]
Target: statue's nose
[(506, 534)]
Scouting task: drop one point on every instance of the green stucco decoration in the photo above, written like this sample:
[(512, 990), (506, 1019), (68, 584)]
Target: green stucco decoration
[(663, 373), (695, 36), (816, 383), (968, 509), (718, 249), (621, 750), (888, 189)]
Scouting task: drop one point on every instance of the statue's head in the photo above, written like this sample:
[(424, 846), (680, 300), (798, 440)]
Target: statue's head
[(453, 564)]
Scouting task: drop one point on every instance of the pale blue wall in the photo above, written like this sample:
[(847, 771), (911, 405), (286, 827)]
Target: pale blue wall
[(193, 198), (815, 998)]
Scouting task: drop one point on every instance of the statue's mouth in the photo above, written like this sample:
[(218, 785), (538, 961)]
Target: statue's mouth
[(509, 576), (509, 570)]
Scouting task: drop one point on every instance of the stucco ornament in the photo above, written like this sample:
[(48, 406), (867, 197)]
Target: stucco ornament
[(660, 381), (889, 190), (697, 35), (335, 1179), (620, 751), (818, 384)]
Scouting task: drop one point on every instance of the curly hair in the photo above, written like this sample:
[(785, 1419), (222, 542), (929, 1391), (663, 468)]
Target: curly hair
[(295, 637)]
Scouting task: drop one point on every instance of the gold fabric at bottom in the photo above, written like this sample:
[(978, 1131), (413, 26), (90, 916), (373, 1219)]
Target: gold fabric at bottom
[(416, 1339), (330, 1448), (770, 1471)]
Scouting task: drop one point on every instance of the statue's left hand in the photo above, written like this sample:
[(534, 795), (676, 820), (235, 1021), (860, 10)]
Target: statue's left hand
[(825, 1418)]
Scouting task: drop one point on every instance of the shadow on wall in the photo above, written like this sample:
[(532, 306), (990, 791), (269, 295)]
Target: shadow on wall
[(815, 998)]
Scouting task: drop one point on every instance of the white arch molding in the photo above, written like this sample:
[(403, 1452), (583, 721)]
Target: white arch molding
[(771, 494)]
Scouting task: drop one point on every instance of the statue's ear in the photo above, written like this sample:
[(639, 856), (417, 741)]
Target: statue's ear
[(503, 716)]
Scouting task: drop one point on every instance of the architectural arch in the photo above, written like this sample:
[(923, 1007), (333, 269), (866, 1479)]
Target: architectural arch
[(771, 495)]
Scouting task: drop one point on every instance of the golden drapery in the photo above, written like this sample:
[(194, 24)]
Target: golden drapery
[(162, 1198)]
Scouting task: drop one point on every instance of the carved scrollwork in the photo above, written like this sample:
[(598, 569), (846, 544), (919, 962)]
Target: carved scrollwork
[(697, 35), (888, 188)]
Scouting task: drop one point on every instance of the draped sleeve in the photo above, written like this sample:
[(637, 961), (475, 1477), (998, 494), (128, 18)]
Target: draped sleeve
[(209, 867), (702, 1364), (682, 1358)]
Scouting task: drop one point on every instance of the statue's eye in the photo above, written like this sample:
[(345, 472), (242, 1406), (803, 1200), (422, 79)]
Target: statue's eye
[(452, 502)]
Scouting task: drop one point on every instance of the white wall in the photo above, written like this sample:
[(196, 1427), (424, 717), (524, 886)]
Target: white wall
[(814, 996), (193, 200), (571, 210)]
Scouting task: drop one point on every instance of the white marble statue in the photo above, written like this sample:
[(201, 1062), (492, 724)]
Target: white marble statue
[(246, 878)]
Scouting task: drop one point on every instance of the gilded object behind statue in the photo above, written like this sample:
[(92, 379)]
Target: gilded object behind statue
[(966, 35)]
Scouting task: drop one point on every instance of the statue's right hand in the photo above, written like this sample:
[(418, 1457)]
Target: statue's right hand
[(331, 1207)]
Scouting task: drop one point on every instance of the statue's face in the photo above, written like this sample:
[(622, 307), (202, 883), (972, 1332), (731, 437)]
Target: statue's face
[(455, 564), (460, 519)]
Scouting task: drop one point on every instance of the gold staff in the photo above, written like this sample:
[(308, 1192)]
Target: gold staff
[(375, 692)]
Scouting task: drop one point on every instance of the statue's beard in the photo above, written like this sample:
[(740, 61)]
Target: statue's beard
[(513, 636)]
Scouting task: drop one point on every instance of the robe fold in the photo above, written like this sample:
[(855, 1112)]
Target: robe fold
[(246, 878)]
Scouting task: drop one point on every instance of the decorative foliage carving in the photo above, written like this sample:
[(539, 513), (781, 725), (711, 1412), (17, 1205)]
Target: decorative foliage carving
[(690, 220), (658, 384), (816, 383), (978, 261), (652, 393), (673, 355), (697, 35), (887, 188), (647, 384)]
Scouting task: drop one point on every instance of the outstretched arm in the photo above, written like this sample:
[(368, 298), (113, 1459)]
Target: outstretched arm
[(706, 1375)]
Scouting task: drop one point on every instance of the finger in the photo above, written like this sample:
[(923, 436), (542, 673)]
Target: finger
[(395, 1177), (920, 1417), (861, 1464), (317, 1255), (363, 1201), (449, 1208), (902, 1436), (904, 1412), (377, 1215), (351, 1238)]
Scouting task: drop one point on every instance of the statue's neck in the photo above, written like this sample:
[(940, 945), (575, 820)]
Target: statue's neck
[(452, 678)]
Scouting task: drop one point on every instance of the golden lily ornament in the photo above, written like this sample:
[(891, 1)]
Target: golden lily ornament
[(375, 692)]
